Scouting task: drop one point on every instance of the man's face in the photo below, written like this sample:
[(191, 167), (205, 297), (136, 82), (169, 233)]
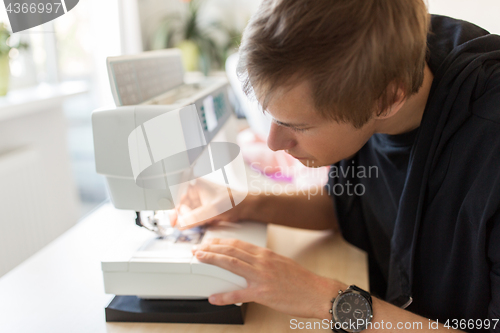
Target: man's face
[(303, 133)]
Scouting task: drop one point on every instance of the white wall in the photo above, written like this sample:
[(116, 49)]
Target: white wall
[(485, 13)]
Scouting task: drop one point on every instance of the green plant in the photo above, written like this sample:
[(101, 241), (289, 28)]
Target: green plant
[(233, 41), (5, 41), (175, 29), (6, 45)]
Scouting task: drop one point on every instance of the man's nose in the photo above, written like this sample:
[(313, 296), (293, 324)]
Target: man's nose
[(280, 138)]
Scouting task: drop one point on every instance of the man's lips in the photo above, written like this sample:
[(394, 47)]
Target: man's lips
[(299, 158)]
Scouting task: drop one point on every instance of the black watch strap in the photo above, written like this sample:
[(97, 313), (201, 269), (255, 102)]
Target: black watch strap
[(362, 292)]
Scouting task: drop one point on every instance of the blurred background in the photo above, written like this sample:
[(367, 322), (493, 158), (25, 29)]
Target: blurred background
[(60, 66)]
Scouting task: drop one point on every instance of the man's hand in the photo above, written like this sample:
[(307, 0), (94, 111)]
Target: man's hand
[(273, 280), (205, 203)]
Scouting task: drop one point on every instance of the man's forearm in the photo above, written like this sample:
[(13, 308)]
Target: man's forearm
[(298, 211)]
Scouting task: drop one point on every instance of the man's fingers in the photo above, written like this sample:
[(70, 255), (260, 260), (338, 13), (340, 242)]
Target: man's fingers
[(232, 264), (247, 247), (203, 214), (172, 216), (233, 297), (192, 220), (193, 197), (227, 250)]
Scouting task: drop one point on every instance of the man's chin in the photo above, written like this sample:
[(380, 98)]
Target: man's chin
[(311, 163)]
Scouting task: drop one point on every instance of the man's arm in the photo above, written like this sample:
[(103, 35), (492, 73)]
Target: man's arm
[(282, 284), (299, 210)]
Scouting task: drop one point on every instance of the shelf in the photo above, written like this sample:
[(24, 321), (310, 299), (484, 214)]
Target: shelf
[(21, 102)]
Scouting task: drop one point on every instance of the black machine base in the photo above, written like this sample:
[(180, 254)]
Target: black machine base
[(134, 309)]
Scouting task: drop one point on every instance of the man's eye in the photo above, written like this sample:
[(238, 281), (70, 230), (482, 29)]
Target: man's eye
[(295, 129)]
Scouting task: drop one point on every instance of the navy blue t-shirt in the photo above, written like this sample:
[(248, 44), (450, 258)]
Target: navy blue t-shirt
[(380, 169), (425, 205)]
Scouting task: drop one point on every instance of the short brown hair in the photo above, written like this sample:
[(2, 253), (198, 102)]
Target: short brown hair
[(354, 53)]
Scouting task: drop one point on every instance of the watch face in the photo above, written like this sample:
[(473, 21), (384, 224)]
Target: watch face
[(352, 312)]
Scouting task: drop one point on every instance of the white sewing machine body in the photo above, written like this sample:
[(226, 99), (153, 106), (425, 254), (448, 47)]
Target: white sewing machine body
[(148, 266), (166, 268)]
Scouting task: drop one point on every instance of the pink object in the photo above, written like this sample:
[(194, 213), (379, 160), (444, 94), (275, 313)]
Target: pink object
[(278, 165)]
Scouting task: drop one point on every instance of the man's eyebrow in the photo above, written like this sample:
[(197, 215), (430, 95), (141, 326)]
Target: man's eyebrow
[(288, 124)]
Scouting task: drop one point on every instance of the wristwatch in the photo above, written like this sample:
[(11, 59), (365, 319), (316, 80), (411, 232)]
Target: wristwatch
[(351, 310)]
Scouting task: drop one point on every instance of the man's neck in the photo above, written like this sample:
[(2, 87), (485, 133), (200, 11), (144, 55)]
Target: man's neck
[(410, 114)]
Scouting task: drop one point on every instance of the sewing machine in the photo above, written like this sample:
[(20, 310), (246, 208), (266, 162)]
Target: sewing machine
[(166, 138)]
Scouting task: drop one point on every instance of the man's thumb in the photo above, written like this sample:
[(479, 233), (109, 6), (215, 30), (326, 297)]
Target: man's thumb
[(172, 215)]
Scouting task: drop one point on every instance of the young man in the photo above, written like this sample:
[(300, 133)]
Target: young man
[(364, 83)]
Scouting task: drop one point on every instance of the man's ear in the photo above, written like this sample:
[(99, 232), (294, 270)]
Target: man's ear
[(397, 103)]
